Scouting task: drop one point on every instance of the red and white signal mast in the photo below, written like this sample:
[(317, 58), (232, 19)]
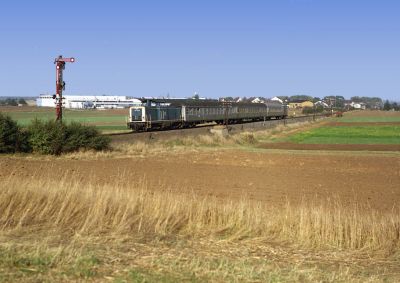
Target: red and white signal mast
[(60, 84)]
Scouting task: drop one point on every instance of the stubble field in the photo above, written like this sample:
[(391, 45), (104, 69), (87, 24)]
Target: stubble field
[(209, 209)]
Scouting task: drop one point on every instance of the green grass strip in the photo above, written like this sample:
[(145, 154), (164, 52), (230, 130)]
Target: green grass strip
[(349, 135)]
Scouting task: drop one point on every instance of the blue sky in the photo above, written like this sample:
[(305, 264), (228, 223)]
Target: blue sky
[(215, 48)]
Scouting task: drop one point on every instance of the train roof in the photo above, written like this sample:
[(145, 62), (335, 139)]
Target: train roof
[(201, 102), (173, 101)]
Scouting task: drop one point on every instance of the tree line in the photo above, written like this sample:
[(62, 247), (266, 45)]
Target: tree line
[(334, 101), (391, 106), (12, 102)]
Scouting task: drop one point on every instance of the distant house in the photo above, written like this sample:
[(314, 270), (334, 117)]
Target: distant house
[(359, 106), (295, 104), (321, 103), (256, 100), (275, 98)]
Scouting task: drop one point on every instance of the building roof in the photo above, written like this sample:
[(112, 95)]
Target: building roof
[(320, 102), (275, 98)]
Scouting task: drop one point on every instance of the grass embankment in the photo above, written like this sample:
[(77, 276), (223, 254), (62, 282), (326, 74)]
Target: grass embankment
[(61, 231)]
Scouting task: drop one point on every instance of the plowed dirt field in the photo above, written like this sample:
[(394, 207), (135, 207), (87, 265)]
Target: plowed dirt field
[(272, 177)]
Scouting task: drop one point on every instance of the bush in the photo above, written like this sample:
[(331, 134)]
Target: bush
[(47, 137), (246, 139), (312, 110), (87, 137), (52, 137), (12, 138)]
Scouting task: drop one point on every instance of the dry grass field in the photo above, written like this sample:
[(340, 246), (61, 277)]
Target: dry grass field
[(202, 209)]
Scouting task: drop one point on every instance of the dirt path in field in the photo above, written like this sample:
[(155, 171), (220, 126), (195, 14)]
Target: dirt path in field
[(271, 177)]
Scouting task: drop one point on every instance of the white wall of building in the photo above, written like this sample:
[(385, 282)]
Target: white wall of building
[(89, 101), (45, 101)]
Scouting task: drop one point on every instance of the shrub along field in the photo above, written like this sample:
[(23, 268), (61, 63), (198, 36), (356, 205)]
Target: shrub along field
[(49, 137)]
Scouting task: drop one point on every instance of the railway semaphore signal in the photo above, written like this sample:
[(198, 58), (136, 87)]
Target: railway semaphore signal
[(60, 84)]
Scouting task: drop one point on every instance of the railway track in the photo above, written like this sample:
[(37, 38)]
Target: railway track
[(205, 128)]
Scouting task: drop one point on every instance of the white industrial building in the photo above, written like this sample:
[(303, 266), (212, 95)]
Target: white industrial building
[(89, 101)]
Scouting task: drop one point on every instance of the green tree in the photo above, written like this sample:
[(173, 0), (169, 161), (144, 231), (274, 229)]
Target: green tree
[(22, 101), (11, 102), (301, 97), (336, 101), (387, 106)]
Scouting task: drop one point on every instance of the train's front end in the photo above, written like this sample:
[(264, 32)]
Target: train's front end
[(137, 118)]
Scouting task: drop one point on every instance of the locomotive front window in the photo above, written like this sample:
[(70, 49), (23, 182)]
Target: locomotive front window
[(136, 114)]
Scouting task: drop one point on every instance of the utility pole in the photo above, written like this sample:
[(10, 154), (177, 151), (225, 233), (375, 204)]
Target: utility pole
[(60, 84), (314, 111)]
